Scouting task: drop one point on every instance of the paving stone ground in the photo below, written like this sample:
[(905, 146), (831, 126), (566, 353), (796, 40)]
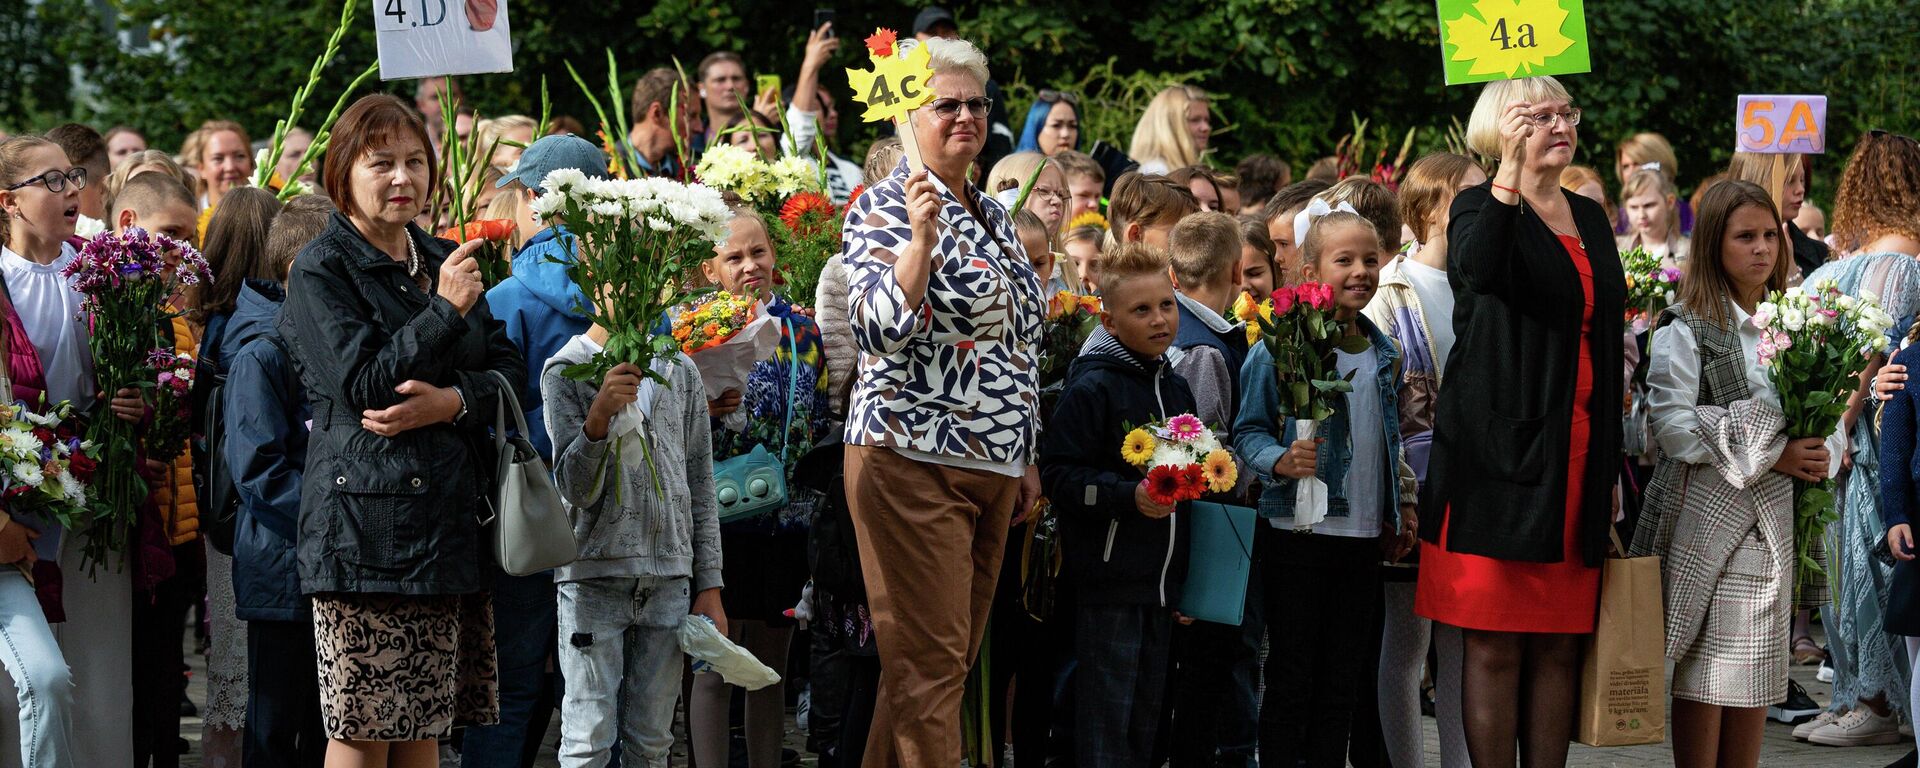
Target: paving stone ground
[(1780, 749)]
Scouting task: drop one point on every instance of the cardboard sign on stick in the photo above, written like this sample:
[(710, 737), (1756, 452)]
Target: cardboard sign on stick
[(898, 84), (1781, 124), (1483, 40), (427, 38)]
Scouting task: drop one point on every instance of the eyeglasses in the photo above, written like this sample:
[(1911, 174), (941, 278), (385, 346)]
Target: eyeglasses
[(56, 181), (1049, 193), (949, 109), (1546, 119)]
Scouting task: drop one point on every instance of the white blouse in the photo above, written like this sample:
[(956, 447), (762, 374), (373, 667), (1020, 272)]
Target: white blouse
[(1673, 389)]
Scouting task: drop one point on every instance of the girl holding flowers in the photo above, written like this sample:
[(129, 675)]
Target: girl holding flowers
[(783, 411), (1720, 507), (1322, 580)]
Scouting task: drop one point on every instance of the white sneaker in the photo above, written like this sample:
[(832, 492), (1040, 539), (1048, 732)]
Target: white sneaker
[(1803, 730), (1860, 727), (1824, 673)]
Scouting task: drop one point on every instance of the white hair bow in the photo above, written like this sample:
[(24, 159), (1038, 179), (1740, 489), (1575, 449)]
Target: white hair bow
[(1315, 209), (1007, 197)]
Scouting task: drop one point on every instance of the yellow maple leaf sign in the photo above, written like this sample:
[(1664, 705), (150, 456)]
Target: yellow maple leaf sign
[(895, 86), (1509, 35)]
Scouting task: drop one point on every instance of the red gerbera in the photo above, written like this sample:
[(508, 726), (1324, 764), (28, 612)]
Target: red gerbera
[(1193, 482), (1163, 485), (855, 195), (795, 212)]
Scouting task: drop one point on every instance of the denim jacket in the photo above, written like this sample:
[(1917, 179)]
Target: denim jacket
[(1262, 435)]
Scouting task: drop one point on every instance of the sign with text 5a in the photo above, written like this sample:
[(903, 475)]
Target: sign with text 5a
[(1483, 40), (425, 38), (1781, 124)]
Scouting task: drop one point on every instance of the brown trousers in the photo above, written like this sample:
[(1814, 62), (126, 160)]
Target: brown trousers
[(931, 541)]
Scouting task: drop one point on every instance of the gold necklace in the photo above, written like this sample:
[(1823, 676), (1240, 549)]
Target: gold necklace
[(1581, 241)]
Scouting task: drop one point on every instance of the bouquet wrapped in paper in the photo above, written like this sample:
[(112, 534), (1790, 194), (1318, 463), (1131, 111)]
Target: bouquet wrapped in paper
[(1814, 343), (1183, 459), (1300, 331), (1650, 286), (125, 280), (636, 239), (726, 335)]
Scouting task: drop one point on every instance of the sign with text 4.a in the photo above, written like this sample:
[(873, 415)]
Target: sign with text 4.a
[(1483, 40), (1781, 124), (426, 38)]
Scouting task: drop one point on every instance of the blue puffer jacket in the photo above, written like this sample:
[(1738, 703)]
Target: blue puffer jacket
[(540, 306), (266, 450)]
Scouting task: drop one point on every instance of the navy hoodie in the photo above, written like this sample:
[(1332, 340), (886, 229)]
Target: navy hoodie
[(266, 450), (1115, 554)]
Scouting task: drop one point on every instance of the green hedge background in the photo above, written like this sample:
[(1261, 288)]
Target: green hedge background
[(1289, 76)]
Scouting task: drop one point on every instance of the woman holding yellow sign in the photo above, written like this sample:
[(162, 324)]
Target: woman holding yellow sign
[(940, 427)]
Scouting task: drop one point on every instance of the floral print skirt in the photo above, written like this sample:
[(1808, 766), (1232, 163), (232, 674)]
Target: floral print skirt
[(405, 667)]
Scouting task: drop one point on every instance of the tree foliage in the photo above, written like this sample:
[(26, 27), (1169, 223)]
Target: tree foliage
[(1288, 75)]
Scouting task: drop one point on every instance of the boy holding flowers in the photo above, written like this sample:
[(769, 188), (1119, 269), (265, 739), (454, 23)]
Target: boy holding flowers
[(1126, 557)]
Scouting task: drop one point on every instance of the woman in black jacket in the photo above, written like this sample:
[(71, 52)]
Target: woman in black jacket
[(397, 351), (1527, 437)]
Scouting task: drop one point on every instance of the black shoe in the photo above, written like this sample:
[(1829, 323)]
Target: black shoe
[(1911, 760), (1797, 708), (187, 709), (1426, 702)]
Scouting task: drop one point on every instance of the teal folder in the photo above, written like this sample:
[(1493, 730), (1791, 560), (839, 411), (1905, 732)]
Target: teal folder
[(1222, 556)]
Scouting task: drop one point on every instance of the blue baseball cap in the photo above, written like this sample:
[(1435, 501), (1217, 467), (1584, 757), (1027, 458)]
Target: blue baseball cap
[(552, 153)]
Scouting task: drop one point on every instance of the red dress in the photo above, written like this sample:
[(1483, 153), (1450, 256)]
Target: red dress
[(1485, 593)]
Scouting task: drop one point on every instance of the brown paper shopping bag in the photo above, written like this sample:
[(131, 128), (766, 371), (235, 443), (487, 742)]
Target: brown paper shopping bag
[(1623, 684)]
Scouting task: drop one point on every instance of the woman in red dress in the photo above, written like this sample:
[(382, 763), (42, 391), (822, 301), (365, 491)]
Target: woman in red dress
[(1526, 436)]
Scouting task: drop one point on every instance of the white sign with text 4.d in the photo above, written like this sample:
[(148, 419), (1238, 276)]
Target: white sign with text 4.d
[(425, 38)]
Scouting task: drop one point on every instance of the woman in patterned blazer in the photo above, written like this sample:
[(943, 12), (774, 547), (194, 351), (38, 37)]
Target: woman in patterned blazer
[(940, 427)]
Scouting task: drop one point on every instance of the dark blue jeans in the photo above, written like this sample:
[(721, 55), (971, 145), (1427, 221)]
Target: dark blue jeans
[(524, 632)]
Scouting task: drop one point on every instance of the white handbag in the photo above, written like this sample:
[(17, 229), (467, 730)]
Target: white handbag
[(531, 532)]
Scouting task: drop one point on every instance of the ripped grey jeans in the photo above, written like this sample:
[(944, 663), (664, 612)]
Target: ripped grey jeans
[(620, 654)]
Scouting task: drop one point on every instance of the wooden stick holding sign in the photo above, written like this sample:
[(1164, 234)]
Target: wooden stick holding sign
[(898, 84)]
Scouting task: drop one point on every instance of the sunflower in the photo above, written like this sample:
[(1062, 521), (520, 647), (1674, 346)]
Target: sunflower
[(1138, 448), (1220, 471), (1088, 219), (1163, 485)]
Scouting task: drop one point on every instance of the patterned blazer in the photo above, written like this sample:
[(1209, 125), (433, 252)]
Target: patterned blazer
[(956, 376)]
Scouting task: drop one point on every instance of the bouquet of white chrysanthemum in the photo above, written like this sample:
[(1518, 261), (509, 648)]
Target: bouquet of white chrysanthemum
[(761, 183), (635, 240), (45, 468), (1814, 343)]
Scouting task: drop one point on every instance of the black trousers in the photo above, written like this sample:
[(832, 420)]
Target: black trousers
[(1322, 593), (159, 658), (1121, 654), (283, 697)]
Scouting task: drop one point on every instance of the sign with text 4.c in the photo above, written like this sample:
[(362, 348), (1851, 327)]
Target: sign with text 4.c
[(425, 38), (1483, 40), (1781, 124)]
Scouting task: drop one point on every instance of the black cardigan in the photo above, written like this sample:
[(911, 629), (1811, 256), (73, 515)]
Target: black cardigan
[(1498, 473)]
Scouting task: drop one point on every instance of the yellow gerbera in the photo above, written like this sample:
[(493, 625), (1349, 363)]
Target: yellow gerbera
[(1090, 218), (1219, 471), (1138, 448)]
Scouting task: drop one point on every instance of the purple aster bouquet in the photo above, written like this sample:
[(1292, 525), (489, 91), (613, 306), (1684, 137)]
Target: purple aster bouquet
[(172, 407), (128, 280)]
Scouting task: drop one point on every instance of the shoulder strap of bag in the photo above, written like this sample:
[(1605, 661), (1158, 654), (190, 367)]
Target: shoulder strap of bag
[(793, 385), (507, 403)]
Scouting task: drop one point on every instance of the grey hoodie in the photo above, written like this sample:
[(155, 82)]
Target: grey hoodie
[(625, 529)]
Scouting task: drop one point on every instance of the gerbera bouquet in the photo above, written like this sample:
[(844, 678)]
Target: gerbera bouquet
[(44, 466), (1650, 285), (1182, 458), (126, 280), (805, 235), (172, 405), (1302, 335), (725, 335), (1814, 343), (493, 260)]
